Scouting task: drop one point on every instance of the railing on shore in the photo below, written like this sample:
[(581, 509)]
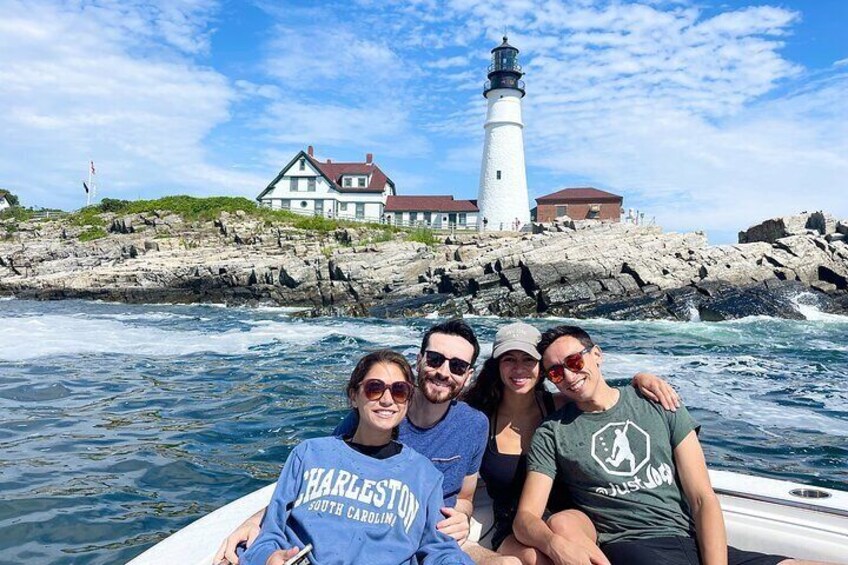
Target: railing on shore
[(46, 214)]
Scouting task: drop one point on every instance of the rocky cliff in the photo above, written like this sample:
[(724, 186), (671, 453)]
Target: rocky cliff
[(577, 269)]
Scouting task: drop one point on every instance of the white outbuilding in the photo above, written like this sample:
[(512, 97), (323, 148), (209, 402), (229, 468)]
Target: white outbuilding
[(436, 212), (356, 191), (4, 202)]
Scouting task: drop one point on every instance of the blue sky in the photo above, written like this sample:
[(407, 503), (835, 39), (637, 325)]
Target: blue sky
[(705, 115)]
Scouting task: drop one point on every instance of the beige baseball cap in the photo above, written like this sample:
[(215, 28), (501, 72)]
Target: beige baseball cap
[(517, 336)]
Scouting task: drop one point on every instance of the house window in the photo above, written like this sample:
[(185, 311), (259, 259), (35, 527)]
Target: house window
[(303, 164), (310, 185), (498, 175), (361, 182), (293, 184), (561, 211), (319, 207), (303, 204), (413, 217), (428, 217), (360, 211), (462, 218), (342, 206), (347, 181), (285, 204)]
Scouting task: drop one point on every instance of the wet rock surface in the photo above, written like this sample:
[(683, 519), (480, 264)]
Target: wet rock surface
[(574, 269)]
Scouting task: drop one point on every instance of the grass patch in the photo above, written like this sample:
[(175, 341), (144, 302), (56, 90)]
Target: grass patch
[(88, 216), (188, 207), (17, 214), (422, 235), (92, 233)]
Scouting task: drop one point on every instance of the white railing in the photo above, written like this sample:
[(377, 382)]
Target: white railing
[(441, 226)]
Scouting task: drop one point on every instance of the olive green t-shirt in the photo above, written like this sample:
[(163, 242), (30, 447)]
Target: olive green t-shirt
[(618, 466)]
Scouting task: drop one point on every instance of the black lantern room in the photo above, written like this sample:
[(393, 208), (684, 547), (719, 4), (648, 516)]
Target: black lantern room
[(504, 72)]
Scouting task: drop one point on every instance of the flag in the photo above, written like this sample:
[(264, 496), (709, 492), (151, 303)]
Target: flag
[(92, 168), (85, 186)]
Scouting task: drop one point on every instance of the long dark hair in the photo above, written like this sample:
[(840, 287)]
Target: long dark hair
[(487, 390), (367, 361)]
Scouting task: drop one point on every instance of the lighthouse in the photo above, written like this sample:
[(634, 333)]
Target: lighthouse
[(502, 198)]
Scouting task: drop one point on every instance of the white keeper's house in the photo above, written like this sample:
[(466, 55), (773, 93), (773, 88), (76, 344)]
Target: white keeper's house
[(360, 191), (356, 191)]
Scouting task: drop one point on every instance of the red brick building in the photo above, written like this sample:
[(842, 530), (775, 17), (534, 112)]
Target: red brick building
[(579, 204)]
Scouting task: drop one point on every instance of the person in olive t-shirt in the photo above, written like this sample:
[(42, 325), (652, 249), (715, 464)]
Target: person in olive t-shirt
[(635, 470)]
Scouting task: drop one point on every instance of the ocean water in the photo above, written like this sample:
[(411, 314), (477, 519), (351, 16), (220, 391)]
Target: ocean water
[(123, 423)]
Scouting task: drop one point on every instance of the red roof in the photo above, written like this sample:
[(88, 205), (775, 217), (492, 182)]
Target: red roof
[(429, 204), (587, 194), (335, 172)]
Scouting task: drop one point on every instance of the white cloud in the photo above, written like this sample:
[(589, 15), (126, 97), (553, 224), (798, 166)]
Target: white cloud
[(108, 82), (688, 116)]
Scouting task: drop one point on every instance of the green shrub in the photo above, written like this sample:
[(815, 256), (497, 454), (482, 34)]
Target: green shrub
[(88, 216), (92, 233), (17, 214), (114, 205), (382, 235), (422, 235), (189, 207)]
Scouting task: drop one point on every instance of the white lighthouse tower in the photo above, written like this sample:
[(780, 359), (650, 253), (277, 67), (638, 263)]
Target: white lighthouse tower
[(502, 199)]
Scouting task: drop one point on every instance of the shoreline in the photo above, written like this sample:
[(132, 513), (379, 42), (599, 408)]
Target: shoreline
[(585, 269)]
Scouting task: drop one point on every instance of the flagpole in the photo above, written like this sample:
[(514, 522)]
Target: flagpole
[(93, 181), (88, 192)]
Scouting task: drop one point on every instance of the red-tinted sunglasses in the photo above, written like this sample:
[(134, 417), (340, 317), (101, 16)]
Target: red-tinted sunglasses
[(573, 363), (401, 391)]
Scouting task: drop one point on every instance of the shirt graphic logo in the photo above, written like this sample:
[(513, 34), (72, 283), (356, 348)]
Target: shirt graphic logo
[(621, 448)]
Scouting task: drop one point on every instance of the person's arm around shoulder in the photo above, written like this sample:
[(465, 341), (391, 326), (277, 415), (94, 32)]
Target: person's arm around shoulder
[(706, 510), (656, 389)]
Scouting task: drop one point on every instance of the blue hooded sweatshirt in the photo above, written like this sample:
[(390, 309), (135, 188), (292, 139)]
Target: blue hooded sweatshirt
[(356, 509)]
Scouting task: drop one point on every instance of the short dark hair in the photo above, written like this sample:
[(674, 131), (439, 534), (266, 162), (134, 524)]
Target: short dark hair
[(456, 327), (553, 334)]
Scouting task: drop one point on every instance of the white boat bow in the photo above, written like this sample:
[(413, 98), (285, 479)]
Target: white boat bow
[(767, 515)]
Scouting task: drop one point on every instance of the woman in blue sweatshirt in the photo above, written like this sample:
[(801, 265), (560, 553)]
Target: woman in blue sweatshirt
[(362, 499)]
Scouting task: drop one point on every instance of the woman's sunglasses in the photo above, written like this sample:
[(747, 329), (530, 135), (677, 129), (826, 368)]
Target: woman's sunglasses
[(573, 363), (400, 390), (457, 366)]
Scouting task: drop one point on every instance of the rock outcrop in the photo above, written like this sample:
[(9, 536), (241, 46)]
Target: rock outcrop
[(576, 269)]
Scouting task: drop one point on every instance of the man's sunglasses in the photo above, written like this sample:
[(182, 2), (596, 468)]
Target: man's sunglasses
[(457, 366), (374, 389), (573, 363)]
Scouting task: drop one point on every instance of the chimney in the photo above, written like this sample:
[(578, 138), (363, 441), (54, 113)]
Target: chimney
[(329, 161), (369, 157), (310, 151)]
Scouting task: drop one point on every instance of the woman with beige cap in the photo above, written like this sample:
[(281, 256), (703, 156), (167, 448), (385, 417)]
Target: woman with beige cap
[(510, 392)]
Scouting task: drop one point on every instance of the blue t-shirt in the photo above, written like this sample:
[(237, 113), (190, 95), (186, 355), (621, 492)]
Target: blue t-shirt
[(356, 509), (455, 444)]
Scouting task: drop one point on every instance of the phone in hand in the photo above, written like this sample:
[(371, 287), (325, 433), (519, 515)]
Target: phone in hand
[(301, 557)]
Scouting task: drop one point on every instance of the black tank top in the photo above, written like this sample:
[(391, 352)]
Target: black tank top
[(505, 473)]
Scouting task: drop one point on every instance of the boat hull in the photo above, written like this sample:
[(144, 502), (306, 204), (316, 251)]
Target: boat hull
[(760, 515)]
